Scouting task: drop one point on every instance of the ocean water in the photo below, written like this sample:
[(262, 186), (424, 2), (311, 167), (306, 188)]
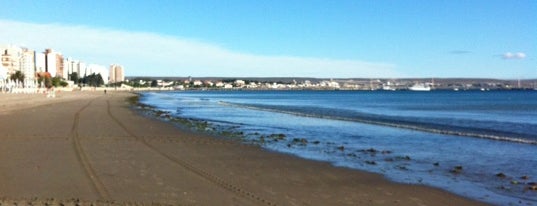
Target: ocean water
[(482, 145)]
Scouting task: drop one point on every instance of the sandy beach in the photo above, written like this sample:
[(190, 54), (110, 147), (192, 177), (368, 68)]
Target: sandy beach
[(90, 148)]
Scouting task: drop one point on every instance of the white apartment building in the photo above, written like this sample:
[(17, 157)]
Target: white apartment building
[(81, 69), (116, 73), (40, 63), (11, 57), (18, 59), (27, 64), (51, 63)]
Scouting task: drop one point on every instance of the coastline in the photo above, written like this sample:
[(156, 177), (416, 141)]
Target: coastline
[(145, 160)]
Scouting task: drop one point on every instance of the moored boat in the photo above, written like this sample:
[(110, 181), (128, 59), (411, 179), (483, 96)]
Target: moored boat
[(420, 87)]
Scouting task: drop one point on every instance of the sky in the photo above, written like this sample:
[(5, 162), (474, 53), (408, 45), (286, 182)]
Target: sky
[(285, 38)]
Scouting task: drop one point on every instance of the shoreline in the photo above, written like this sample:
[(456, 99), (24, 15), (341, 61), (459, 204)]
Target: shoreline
[(145, 160), (200, 126)]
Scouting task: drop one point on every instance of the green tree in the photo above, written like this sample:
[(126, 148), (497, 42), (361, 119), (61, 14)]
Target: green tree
[(154, 83), (56, 81), (17, 76), (74, 77), (93, 80)]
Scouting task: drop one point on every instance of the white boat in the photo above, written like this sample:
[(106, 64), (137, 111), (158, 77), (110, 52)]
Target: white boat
[(388, 88), (420, 87)]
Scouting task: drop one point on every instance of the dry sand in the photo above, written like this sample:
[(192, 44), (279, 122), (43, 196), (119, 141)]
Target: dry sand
[(89, 148)]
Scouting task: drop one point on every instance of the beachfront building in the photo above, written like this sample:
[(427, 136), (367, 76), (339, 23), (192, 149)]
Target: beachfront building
[(11, 57), (116, 73), (81, 69), (54, 63), (67, 68), (40, 63), (27, 64), (72, 66)]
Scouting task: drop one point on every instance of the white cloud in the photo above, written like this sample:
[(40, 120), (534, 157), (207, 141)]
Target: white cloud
[(152, 54), (517, 55)]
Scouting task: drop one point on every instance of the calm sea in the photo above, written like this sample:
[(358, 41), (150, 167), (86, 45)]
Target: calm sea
[(481, 145)]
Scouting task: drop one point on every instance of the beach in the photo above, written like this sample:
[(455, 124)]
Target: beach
[(93, 148)]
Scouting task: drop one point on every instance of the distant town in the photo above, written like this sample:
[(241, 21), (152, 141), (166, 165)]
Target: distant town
[(414, 84), (28, 71)]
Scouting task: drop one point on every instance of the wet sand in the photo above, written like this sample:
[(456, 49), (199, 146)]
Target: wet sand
[(91, 148)]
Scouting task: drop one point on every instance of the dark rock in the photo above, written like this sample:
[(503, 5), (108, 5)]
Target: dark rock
[(316, 142), (501, 175), (278, 136), (386, 152), (300, 140), (534, 188), (371, 150), (436, 164), (525, 177), (370, 162), (341, 148), (456, 170)]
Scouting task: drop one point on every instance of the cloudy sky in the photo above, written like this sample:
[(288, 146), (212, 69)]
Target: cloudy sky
[(310, 38)]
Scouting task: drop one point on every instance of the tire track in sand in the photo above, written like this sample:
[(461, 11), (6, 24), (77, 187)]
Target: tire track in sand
[(200, 172), (82, 157)]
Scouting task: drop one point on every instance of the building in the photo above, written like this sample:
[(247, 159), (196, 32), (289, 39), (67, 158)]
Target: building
[(116, 73), (27, 64), (81, 69), (40, 62), (53, 62), (67, 68), (11, 57)]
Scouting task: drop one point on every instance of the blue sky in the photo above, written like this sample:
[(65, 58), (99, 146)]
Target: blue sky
[(386, 38)]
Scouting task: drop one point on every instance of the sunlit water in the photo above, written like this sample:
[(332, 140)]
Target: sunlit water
[(409, 137)]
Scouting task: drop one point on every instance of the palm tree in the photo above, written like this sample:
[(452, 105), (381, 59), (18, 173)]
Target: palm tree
[(17, 76)]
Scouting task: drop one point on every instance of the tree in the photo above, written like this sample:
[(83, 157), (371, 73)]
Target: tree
[(154, 83), (56, 81), (44, 77), (99, 80), (93, 80), (17, 76), (74, 77)]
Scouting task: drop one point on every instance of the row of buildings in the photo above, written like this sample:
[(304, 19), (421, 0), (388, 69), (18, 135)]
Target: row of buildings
[(31, 63)]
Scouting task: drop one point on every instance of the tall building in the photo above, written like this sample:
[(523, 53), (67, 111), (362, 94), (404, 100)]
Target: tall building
[(11, 58), (81, 69), (27, 64), (70, 66), (54, 63), (40, 63), (116, 73)]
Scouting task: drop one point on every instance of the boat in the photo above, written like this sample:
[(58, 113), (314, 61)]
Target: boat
[(388, 88), (420, 87)]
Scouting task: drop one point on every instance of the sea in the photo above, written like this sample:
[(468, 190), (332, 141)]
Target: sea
[(477, 144)]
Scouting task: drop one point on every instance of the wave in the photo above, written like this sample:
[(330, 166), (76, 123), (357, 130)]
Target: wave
[(425, 125)]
